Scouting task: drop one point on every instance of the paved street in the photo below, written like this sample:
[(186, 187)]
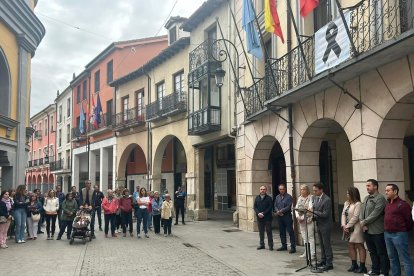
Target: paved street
[(211, 247)]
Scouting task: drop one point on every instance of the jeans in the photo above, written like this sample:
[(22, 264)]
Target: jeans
[(378, 252), (48, 219), (397, 248), (286, 224), (20, 217), (110, 218), (149, 220), (178, 209), (265, 225), (64, 224), (167, 226), (157, 221), (92, 226), (126, 218), (98, 212), (118, 221), (142, 215)]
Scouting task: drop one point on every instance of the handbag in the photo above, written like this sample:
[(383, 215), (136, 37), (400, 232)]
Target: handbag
[(35, 217), (3, 219)]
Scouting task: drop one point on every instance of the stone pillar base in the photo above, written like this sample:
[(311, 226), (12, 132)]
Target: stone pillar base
[(200, 214)]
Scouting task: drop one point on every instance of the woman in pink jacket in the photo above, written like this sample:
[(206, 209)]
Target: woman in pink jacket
[(110, 205)]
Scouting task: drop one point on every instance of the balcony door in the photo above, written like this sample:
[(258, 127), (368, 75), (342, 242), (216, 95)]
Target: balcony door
[(140, 103), (160, 93), (125, 101)]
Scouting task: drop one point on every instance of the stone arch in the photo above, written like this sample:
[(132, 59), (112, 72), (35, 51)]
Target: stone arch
[(395, 147), (51, 179), (39, 179), (179, 163), (29, 180), (325, 155), (5, 85), (268, 165), (140, 162)]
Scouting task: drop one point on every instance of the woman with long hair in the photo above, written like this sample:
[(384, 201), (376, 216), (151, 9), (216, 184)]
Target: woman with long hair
[(5, 217), (156, 211), (19, 212), (33, 216), (305, 218), (51, 207), (69, 207), (12, 228), (352, 230), (142, 216)]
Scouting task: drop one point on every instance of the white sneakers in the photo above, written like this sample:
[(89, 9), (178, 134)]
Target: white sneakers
[(21, 241)]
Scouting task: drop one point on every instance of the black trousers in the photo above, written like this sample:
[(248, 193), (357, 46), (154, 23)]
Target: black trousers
[(126, 218), (178, 209), (118, 221), (98, 212), (63, 225), (156, 219), (378, 252), (110, 218), (286, 224), (50, 218), (265, 225), (167, 226)]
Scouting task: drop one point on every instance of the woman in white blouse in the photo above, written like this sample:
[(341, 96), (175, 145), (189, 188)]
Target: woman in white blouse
[(142, 214), (305, 202)]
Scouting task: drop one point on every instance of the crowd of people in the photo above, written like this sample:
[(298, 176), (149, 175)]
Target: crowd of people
[(381, 223), (23, 213)]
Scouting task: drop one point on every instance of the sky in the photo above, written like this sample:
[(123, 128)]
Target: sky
[(78, 30)]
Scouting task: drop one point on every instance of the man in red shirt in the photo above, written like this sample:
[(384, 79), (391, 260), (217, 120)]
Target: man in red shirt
[(397, 224)]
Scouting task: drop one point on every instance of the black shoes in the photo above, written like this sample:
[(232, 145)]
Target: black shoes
[(326, 267), (283, 248), (260, 247), (183, 223), (176, 223), (271, 248), (353, 267), (292, 251)]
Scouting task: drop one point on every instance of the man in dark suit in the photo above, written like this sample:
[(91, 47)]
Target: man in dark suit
[(263, 206), (322, 207), (86, 197)]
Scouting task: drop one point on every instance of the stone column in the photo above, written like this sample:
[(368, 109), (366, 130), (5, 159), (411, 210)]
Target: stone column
[(103, 169), (114, 169), (92, 167), (155, 184), (195, 188), (23, 93)]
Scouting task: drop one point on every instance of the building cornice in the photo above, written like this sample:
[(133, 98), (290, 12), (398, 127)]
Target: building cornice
[(22, 21)]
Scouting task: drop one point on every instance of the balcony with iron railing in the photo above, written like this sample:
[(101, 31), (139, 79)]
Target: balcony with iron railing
[(38, 135), (372, 24), (60, 165), (106, 122), (204, 121), (129, 118), (169, 105)]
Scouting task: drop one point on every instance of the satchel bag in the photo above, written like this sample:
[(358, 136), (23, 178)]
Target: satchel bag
[(35, 217), (3, 219)]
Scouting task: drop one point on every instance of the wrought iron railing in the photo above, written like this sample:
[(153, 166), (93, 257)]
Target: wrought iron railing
[(40, 161), (206, 51), (60, 165), (204, 120), (373, 22), (131, 117), (77, 133), (106, 121), (38, 135), (169, 105)]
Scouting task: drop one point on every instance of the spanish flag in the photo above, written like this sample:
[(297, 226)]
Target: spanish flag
[(272, 22), (306, 6)]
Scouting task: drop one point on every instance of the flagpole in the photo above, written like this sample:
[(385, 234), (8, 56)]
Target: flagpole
[(267, 60), (298, 39), (354, 50)]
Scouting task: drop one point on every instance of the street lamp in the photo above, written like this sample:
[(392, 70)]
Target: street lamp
[(219, 76)]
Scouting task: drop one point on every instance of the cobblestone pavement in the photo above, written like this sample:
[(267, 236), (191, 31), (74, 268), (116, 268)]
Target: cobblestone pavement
[(198, 248)]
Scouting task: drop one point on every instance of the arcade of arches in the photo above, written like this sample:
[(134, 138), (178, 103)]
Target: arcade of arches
[(334, 142)]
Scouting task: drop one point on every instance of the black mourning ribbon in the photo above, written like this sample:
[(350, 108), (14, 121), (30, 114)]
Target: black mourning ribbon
[(331, 33)]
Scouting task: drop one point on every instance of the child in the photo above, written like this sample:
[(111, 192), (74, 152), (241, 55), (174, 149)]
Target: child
[(167, 213)]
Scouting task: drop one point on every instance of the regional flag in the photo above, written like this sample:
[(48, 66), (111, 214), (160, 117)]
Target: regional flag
[(306, 6), (272, 22), (252, 37)]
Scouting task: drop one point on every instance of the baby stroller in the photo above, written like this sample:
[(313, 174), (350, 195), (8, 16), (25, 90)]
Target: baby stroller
[(80, 226)]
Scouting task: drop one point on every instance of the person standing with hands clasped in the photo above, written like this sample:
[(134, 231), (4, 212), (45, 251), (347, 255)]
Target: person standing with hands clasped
[(283, 210), (51, 207), (179, 198), (322, 208), (263, 207), (371, 219), (110, 205), (397, 223), (167, 213)]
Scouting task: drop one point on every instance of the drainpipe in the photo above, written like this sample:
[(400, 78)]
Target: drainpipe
[(149, 135)]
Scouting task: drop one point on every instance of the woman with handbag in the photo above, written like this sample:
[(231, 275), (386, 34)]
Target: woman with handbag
[(51, 207), (305, 219), (33, 216), (20, 212), (5, 217), (352, 230)]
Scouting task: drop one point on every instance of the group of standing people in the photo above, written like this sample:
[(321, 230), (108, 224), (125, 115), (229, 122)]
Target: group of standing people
[(382, 223)]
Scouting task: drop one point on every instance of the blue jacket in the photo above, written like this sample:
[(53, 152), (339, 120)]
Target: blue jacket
[(156, 205), (284, 204)]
